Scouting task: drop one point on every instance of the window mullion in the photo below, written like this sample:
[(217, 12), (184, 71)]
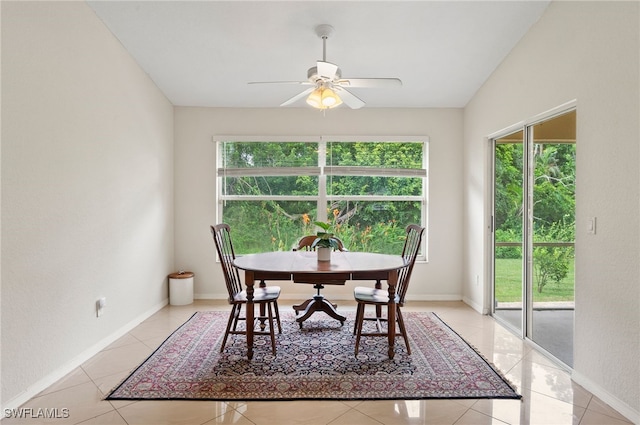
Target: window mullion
[(322, 181)]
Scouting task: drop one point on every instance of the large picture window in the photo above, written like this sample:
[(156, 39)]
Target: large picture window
[(272, 191)]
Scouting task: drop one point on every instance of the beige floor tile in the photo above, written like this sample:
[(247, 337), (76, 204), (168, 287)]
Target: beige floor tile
[(120, 359), (75, 377), (594, 418), (533, 409), (110, 418), (230, 417), (598, 406), (119, 404), (157, 328), (161, 412), (550, 381), (107, 383), (440, 412), (122, 341), (73, 405), (319, 412), (354, 417), (154, 343), (471, 417)]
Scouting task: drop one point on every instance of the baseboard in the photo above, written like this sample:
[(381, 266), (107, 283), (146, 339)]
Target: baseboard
[(604, 395), (61, 372), (477, 307), (220, 296)]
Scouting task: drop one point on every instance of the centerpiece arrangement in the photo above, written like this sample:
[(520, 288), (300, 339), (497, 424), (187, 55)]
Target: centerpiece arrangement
[(325, 241)]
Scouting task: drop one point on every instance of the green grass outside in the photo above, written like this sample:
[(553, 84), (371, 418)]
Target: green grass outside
[(508, 286)]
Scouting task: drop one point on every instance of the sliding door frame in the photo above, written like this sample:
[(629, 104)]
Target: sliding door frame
[(526, 127)]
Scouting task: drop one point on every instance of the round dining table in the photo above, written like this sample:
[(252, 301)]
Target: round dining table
[(304, 267)]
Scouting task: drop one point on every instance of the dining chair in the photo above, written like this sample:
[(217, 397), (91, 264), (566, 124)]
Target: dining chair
[(380, 297), (262, 296), (318, 302)]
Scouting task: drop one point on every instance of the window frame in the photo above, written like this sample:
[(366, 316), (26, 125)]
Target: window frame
[(324, 171)]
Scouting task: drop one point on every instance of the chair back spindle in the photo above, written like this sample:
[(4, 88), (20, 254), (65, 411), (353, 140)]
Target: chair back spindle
[(222, 237), (409, 253)]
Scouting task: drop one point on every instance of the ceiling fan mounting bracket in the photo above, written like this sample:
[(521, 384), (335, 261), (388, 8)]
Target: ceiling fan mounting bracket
[(324, 30)]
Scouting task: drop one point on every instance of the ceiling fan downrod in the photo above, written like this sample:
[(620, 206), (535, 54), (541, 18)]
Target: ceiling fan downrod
[(324, 31)]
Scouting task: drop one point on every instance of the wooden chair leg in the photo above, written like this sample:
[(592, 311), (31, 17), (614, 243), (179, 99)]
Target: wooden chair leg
[(378, 307), (357, 320), (403, 330), (275, 303), (271, 330), (360, 320), (232, 320), (237, 310)]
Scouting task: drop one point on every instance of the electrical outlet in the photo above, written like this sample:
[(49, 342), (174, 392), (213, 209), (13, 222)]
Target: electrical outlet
[(100, 305)]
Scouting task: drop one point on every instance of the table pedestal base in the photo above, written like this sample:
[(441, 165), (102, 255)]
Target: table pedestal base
[(317, 303)]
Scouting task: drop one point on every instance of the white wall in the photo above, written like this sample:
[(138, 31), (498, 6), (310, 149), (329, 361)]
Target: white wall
[(87, 181), (195, 186), (588, 51)]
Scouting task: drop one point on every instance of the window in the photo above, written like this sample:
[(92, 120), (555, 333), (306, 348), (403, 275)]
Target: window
[(271, 191)]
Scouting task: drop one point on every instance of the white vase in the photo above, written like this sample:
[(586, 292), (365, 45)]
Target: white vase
[(324, 254)]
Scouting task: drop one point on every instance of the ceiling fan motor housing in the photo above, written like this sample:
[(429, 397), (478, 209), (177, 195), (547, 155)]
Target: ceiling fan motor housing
[(312, 75)]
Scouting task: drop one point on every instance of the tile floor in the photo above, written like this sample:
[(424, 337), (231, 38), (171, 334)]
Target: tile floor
[(549, 395)]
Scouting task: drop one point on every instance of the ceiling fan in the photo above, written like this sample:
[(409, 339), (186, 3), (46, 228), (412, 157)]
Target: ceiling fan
[(328, 88)]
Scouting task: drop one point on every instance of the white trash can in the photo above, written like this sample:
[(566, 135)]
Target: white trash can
[(181, 288)]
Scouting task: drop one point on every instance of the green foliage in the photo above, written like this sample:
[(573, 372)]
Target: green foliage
[(550, 264), (508, 186), (553, 209), (508, 284), (383, 237), (508, 235), (268, 225), (325, 238)]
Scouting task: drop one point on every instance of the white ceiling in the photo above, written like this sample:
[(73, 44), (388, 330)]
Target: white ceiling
[(203, 53)]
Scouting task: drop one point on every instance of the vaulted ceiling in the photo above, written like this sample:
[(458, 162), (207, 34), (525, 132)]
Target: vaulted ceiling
[(204, 53)]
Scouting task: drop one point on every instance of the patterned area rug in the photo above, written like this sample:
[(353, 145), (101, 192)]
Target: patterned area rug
[(315, 362)]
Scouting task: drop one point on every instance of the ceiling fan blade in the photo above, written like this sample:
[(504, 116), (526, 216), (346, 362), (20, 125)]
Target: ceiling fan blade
[(370, 82), (300, 83), (350, 99), (327, 70), (298, 96)]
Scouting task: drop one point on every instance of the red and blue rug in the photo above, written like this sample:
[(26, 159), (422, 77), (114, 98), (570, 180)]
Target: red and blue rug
[(315, 362)]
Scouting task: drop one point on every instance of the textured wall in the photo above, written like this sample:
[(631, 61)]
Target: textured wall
[(587, 51), (196, 184), (87, 180)]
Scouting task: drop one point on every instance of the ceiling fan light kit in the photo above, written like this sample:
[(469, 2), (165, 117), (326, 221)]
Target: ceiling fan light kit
[(328, 89), (324, 98)]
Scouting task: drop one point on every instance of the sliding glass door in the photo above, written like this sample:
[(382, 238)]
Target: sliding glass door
[(508, 224), (533, 232)]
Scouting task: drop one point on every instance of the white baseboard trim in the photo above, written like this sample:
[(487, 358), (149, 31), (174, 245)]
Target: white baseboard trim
[(61, 372), (477, 307), (219, 296), (604, 395)]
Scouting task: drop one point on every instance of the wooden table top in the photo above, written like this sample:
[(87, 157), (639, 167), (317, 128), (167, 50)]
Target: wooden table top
[(307, 262)]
